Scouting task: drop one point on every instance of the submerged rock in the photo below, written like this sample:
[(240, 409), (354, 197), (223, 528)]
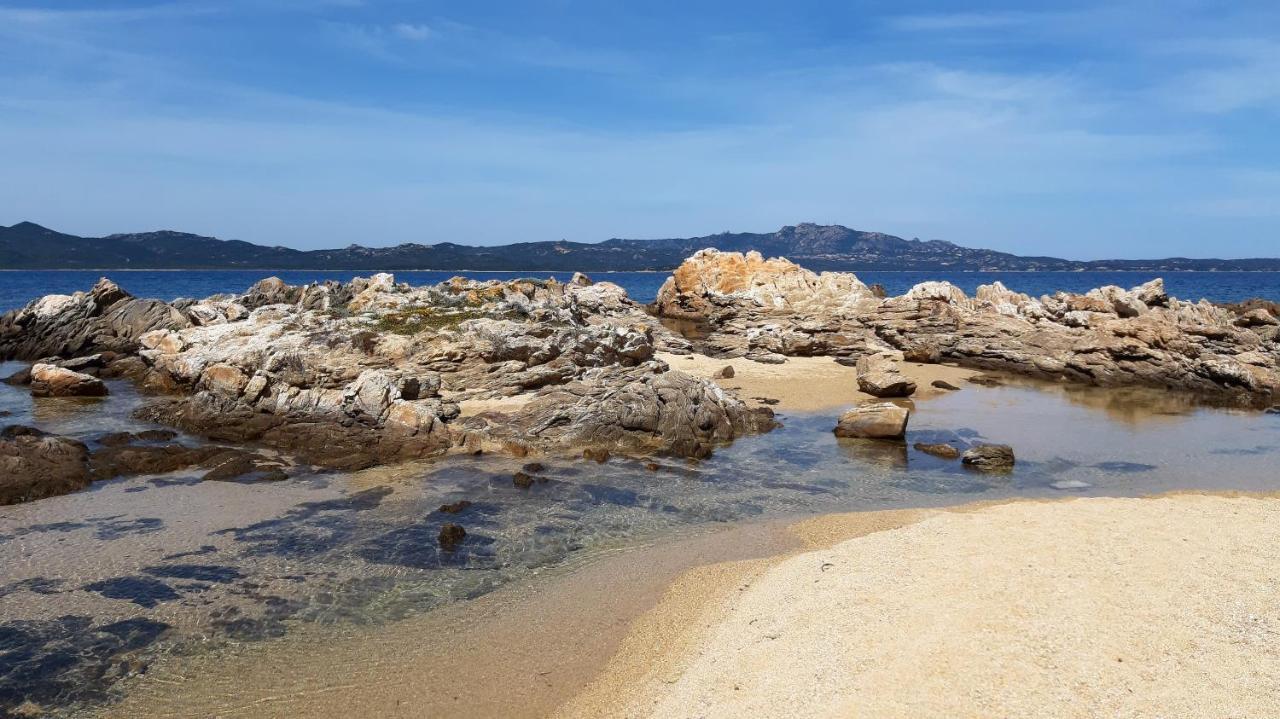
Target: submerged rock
[(882, 420), (35, 465), (944, 451), (989, 457), (944, 385), (451, 535)]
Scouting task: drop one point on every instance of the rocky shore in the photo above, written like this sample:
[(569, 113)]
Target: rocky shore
[(771, 309), (350, 375)]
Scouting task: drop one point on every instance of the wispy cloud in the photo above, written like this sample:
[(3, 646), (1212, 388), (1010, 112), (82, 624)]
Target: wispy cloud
[(412, 31), (950, 22)]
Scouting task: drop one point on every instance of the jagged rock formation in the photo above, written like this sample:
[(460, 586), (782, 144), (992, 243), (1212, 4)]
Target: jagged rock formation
[(372, 371), (770, 309)]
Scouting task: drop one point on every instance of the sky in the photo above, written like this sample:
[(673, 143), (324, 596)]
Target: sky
[(1116, 129)]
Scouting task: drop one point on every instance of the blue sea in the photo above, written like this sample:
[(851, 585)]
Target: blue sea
[(20, 287)]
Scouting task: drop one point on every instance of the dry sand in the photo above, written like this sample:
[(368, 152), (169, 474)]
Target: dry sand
[(1160, 607), (804, 384)]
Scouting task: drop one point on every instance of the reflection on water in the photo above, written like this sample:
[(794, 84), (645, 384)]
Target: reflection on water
[(94, 586)]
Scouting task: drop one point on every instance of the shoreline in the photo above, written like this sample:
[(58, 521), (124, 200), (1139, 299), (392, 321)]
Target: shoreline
[(973, 610), (601, 639)]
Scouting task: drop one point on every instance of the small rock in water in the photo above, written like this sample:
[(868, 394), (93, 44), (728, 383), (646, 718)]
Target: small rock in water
[(534, 467), (451, 535), (986, 380), (599, 455), (50, 381), (945, 451), (455, 507), (882, 420), (652, 466), (989, 457), (1274, 410), (725, 372), (1070, 484), (943, 384), (523, 480)]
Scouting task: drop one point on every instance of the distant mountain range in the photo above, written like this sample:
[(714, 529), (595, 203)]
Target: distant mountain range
[(27, 245)]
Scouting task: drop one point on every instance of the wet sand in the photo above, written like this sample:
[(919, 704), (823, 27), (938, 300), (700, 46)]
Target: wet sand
[(807, 384), (1090, 607)]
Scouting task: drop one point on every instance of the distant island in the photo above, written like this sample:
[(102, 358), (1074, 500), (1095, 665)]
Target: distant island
[(28, 246)]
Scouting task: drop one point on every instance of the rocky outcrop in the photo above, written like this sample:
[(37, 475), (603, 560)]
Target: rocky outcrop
[(51, 381), (772, 309), (372, 371), (643, 410), (35, 465), (105, 318), (879, 420)]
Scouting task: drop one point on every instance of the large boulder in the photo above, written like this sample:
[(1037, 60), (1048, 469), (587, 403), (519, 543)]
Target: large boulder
[(35, 465), (52, 381), (712, 277), (881, 420)]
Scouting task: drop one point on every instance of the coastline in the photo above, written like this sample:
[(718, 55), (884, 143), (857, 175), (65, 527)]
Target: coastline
[(1156, 606)]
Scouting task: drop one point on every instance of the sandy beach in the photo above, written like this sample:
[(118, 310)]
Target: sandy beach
[(1160, 607), (807, 384)]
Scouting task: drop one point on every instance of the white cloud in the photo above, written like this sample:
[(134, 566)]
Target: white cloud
[(410, 31)]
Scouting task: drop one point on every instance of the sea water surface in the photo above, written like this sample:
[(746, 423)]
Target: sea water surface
[(135, 575), (18, 288)]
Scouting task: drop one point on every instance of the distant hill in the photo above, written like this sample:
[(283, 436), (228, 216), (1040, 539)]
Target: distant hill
[(27, 245)]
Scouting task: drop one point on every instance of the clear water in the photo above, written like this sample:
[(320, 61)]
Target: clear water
[(18, 288), (133, 569)]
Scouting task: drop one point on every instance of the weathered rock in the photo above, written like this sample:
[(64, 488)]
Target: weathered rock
[(105, 318), (881, 378), (944, 451), (943, 384), (989, 457), (35, 465), (50, 381), (725, 372), (882, 420), (522, 480)]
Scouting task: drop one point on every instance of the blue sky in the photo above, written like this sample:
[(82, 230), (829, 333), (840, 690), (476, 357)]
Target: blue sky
[(1117, 129)]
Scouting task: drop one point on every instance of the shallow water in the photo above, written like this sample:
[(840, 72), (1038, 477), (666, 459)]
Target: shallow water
[(98, 584)]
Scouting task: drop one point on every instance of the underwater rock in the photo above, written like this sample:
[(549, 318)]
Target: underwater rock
[(989, 457)]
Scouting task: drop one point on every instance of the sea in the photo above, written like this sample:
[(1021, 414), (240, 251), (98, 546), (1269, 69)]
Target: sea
[(17, 288)]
